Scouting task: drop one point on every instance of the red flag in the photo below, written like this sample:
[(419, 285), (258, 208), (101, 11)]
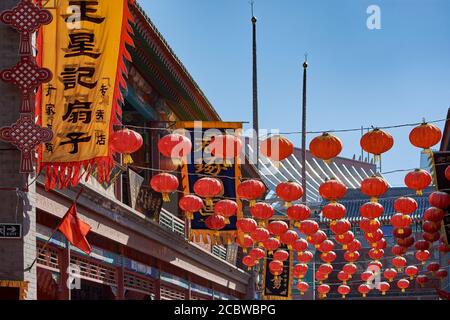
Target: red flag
[(75, 230)]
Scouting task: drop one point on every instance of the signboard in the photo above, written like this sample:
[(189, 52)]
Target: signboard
[(440, 161), (10, 231)]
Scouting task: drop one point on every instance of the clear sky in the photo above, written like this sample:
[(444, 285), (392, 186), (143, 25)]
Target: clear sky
[(357, 77)]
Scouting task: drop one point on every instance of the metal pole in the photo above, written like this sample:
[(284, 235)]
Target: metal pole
[(255, 93), (305, 66)]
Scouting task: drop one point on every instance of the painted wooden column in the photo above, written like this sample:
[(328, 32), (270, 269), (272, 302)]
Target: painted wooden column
[(158, 282), (120, 294), (63, 257)]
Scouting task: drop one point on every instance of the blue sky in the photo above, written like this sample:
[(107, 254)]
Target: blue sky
[(357, 77)]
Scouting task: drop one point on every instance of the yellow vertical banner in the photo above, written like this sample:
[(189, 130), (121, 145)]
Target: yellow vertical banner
[(85, 48)]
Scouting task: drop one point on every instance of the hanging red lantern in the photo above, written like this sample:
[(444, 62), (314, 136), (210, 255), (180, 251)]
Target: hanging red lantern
[(447, 173), (189, 204), (399, 262), (350, 269), (380, 244), (425, 136), (374, 187), (300, 245), (325, 246), (431, 237), (439, 199), (308, 227), (281, 255), (383, 287), (164, 183), (246, 225), (225, 146), (257, 253), (369, 225), (406, 242), (343, 276), (402, 232), (355, 245), (302, 287), (289, 191), (376, 254), (304, 256), (390, 274), (215, 222), (366, 276), (334, 211), (226, 208), (298, 212), (321, 277), (403, 284), (260, 235), (245, 242), (422, 245), (271, 244), (411, 271), (375, 266), (444, 248), (345, 238), (251, 190), (398, 250), (317, 238), (422, 280), (326, 268), (323, 289), (405, 205), (422, 255), (418, 180), (343, 290), (351, 256), (371, 210), (433, 267), (376, 142), (208, 188), (262, 211), (288, 238), (300, 270), (328, 257), (277, 227), (364, 289), (126, 142), (340, 226), (276, 148), (325, 147), (175, 146), (372, 237), (433, 214), (431, 227), (401, 221), (441, 274), (249, 261), (332, 190), (276, 267)]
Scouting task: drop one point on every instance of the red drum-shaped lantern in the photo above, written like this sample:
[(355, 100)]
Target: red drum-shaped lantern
[(302, 287), (351, 256), (398, 250), (257, 253), (175, 146), (317, 238), (277, 227), (249, 261), (422, 255), (225, 146), (326, 268), (402, 232), (406, 242), (326, 246), (433, 214), (281, 255), (425, 136), (164, 183), (383, 287), (343, 276), (334, 211), (300, 270), (276, 267), (433, 267), (422, 280), (390, 274), (245, 243), (431, 227), (444, 248), (431, 237), (288, 238), (226, 208), (441, 274), (126, 142), (376, 142), (298, 212), (332, 190), (343, 290), (355, 245), (369, 225), (439, 199), (305, 256), (380, 244), (251, 190), (371, 210), (401, 221), (328, 257), (375, 266), (364, 289), (403, 284), (405, 205), (372, 237), (367, 276), (300, 245), (260, 235), (215, 222), (376, 254), (208, 188), (308, 227), (374, 187), (399, 262), (276, 148), (262, 211), (319, 276), (271, 244), (411, 271), (422, 245), (289, 191), (246, 225), (325, 147), (190, 204), (340, 226), (418, 180), (345, 238), (323, 289), (350, 269)]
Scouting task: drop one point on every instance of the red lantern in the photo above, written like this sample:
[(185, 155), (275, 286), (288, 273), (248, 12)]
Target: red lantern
[(340, 226), (328, 257), (276, 267), (249, 261), (246, 225), (422, 245), (350, 269), (325, 147), (444, 248), (288, 238), (251, 190), (215, 222), (343, 276), (433, 267), (226, 208), (425, 136), (298, 212), (126, 141), (289, 191), (367, 276), (300, 270), (422, 280), (271, 244), (308, 227), (260, 235), (401, 221), (439, 199), (276, 148), (402, 232), (190, 204), (351, 256), (383, 287), (317, 238), (262, 211), (422, 255), (364, 289), (405, 205), (355, 245), (245, 243), (164, 183), (411, 271), (380, 244), (334, 211), (257, 253), (343, 290), (390, 274), (371, 210), (369, 225), (441, 274), (323, 289), (208, 188), (376, 254), (376, 142), (418, 180), (225, 146), (375, 266), (300, 245), (305, 256), (175, 146), (399, 262), (373, 237), (332, 190), (403, 284), (281, 255), (447, 173), (325, 246), (431, 237), (345, 238), (431, 227), (277, 228), (325, 268), (374, 187), (433, 214), (398, 250), (302, 287), (406, 242)]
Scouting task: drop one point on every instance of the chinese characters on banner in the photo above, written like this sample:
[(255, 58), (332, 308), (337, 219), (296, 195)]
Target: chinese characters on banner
[(85, 48)]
